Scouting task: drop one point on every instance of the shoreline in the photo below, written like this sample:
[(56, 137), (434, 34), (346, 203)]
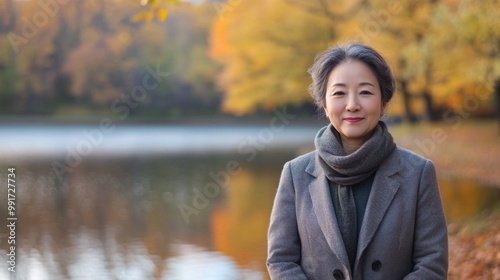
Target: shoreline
[(470, 151)]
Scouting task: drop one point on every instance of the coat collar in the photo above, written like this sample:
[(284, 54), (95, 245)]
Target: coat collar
[(325, 214), (382, 193)]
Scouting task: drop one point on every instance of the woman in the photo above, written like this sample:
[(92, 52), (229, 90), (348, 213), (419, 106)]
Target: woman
[(358, 207)]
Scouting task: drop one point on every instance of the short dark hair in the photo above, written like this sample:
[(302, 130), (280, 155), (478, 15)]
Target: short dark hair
[(326, 61)]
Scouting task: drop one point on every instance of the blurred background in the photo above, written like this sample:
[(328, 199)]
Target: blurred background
[(148, 136)]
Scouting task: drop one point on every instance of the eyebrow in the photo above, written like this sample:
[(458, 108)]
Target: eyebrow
[(361, 84)]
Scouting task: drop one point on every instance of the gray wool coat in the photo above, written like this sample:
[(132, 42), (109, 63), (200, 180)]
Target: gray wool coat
[(403, 235)]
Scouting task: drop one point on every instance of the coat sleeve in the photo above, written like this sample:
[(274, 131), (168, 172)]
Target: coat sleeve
[(284, 247), (430, 248)]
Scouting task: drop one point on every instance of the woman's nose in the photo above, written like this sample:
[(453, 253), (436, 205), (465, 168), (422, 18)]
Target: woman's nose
[(352, 102)]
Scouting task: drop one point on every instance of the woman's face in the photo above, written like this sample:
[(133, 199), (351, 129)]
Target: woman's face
[(353, 101)]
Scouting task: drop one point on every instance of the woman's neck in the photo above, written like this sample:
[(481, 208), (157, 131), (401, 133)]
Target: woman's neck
[(353, 144), (350, 146)]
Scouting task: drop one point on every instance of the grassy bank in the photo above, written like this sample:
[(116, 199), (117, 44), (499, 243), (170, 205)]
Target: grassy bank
[(467, 150)]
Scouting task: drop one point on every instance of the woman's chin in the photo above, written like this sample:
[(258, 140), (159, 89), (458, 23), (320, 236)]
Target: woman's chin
[(353, 134)]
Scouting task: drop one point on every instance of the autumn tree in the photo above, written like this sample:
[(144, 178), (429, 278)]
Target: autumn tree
[(430, 46), (98, 67), (8, 19), (392, 28), (62, 57), (468, 48), (32, 42), (191, 87), (310, 26), (266, 48), (404, 29)]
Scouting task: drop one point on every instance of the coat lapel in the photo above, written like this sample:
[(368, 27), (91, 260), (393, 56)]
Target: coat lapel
[(323, 209), (383, 190)]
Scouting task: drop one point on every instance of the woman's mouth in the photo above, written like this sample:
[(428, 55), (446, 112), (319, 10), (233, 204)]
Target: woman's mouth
[(353, 120)]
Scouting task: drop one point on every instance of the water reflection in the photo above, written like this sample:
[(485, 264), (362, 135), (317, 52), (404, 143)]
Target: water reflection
[(465, 199), (122, 218), (155, 218)]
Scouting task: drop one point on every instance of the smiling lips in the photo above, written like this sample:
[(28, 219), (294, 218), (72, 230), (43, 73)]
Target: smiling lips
[(353, 120)]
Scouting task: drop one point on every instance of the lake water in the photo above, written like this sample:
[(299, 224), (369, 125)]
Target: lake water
[(156, 202)]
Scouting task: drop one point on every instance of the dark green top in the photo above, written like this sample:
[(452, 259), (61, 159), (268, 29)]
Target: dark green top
[(361, 193)]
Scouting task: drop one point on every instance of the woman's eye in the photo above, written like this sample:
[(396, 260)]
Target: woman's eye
[(338, 93), (365, 92)]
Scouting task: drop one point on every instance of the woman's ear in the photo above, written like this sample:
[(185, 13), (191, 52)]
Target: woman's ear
[(384, 106)]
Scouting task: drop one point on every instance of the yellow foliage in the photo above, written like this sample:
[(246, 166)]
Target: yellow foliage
[(266, 61), (152, 9), (162, 14), (138, 17), (436, 47), (149, 15), (449, 49)]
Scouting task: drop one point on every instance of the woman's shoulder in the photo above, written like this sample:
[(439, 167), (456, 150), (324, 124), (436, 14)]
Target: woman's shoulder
[(405, 153), (302, 160), (410, 158)]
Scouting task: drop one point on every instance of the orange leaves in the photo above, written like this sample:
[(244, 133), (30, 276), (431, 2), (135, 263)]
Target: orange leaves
[(219, 46), (473, 248)]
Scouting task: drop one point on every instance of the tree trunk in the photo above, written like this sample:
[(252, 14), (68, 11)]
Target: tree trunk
[(497, 96), (8, 18), (409, 117), (78, 21), (429, 108)]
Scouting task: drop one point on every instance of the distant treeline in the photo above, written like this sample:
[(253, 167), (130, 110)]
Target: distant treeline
[(84, 57)]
